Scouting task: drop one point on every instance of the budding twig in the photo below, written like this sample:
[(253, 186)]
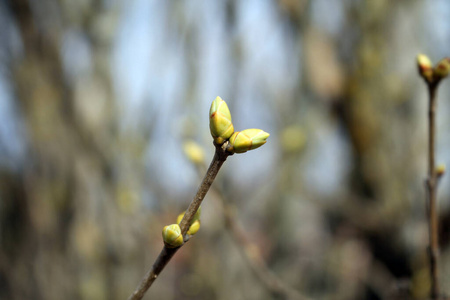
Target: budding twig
[(433, 77), (431, 184), (176, 235), (167, 253)]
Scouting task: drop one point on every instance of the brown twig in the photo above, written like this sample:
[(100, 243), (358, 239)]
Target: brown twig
[(167, 253), (431, 184)]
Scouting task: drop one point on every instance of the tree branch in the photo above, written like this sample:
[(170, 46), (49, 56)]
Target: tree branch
[(432, 191), (269, 280), (167, 253)]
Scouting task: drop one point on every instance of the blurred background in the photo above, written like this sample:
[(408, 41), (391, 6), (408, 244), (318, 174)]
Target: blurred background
[(104, 139)]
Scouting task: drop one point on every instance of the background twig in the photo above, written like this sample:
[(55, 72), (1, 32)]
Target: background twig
[(269, 280)]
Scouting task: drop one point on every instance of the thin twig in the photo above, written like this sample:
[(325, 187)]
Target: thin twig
[(162, 260), (167, 253), (432, 191), (220, 156)]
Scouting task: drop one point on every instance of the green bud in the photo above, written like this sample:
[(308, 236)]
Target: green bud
[(172, 236), (195, 224), (194, 228), (442, 68), (180, 217), (194, 152), (196, 216), (248, 139), (220, 123), (440, 170), (425, 67)]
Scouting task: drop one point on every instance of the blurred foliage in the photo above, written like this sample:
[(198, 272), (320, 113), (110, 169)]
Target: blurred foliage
[(104, 108)]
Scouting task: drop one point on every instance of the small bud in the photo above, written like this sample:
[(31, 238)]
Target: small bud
[(425, 67), (196, 216), (220, 123), (180, 217), (194, 228), (440, 170), (195, 224), (442, 68), (248, 139), (172, 236), (194, 152)]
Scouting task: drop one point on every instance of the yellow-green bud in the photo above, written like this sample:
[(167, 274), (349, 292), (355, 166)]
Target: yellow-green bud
[(440, 170), (196, 216), (248, 139), (194, 152), (220, 123), (425, 67), (442, 68), (195, 224), (172, 236), (180, 217), (193, 229)]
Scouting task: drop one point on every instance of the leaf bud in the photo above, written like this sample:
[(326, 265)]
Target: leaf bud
[(194, 152), (172, 236), (425, 67), (196, 216), (220, 123), (248, 139), (440, 170), (442, 68), (194, 228)]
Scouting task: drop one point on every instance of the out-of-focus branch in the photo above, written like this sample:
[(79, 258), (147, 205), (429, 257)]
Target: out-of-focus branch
[(269, 280), (432, 77)]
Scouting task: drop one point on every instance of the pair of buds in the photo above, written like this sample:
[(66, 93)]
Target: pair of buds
[(430, 74), (222, 130), (172, 233)]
